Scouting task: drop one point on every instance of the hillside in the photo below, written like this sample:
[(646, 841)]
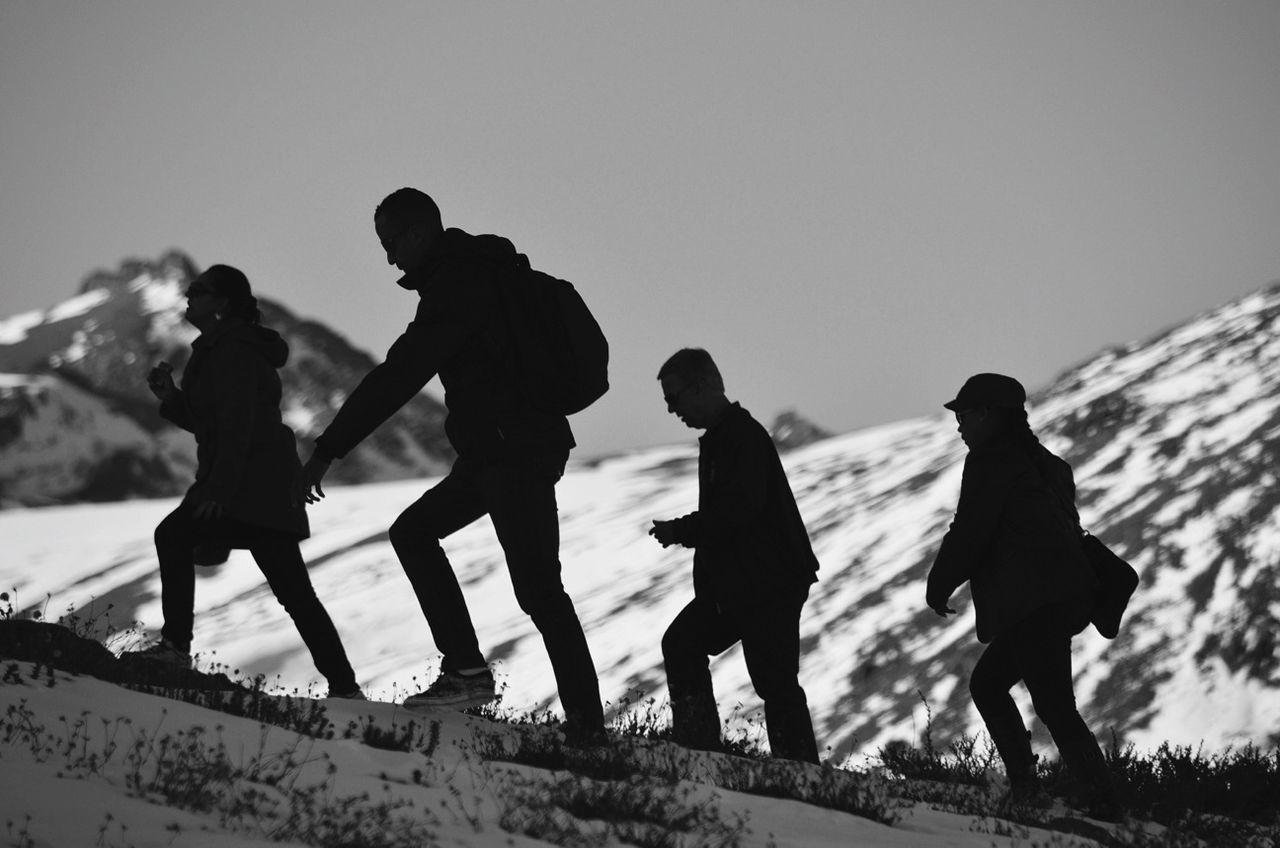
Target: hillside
[(1170, 439)]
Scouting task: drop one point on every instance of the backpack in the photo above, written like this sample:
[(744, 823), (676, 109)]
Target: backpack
[(560, 353)]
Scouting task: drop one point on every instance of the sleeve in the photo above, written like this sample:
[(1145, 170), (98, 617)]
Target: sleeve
[(175, 411), (237, 374), (427, 344), (737, 496), (982, 494), (686, 529)]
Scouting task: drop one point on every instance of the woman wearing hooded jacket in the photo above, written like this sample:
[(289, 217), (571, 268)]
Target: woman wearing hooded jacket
[(246, 462), (1016, 539)]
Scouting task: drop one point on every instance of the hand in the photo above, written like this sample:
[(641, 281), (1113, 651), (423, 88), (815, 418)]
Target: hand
[(664, 532), (939, 605), (307, 488), (160, 381), (208, 510)]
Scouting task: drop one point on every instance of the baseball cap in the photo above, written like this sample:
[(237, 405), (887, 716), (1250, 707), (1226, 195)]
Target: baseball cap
[(988, 390)]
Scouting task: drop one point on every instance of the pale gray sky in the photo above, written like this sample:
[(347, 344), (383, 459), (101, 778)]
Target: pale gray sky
[(852, 205)]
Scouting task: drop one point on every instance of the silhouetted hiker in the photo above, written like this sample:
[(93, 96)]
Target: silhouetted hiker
[(752, 567), (247, 463), (1015, 542), (510, 452)]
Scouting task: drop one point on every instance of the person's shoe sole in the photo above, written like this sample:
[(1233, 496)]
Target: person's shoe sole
[(462, 702)]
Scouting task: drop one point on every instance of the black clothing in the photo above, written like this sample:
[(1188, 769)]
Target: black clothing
[(276, 553), (520, 499), (1037, 651), (1016, 539), (1012, 537), (458, 332), (247, 459), (752, 568), (510, 456), (749, 540), (770, 636)]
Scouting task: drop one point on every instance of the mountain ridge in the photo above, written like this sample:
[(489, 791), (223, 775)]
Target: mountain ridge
[(1173, 440), (86, 358)]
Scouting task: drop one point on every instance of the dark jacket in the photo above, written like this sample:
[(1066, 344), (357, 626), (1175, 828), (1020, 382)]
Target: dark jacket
[(749, 541), (1015, 537), (229, 399), (458, 333)]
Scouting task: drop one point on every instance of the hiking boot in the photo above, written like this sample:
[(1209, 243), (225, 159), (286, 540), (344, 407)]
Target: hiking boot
[(1024, 792), (583, 736), (455, 691), (350, 695), (163, 652)]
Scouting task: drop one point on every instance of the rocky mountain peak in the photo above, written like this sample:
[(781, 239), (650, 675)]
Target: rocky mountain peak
[(174, 264)]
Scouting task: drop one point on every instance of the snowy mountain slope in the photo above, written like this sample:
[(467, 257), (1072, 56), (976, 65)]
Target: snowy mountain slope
[(90, 763), (100, 344), (1171, 439)]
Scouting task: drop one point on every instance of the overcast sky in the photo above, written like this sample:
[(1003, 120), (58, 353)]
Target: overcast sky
[(852, 205)]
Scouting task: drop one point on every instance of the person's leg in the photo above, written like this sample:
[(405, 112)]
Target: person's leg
[(175, 538), (521, 501), (993, 676), (1044, 663), (450, 505), (281, 562), (771, 649), (695, 635)]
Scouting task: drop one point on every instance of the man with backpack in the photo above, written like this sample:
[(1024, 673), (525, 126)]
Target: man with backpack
[(752, 567), (511, 444)]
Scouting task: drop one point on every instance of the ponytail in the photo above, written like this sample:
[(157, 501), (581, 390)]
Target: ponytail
[(232, 284)]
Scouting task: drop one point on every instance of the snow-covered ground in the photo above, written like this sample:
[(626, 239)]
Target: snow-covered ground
[(85, 763)]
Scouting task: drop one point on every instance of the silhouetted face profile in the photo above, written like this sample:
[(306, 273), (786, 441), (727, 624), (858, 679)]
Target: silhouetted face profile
[(406, 243), (977, 425), (688, 400), (202, 303)]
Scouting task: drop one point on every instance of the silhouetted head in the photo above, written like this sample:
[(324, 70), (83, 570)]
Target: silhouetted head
[(693, 388), (407, 222), (988, 406), (221, 292)]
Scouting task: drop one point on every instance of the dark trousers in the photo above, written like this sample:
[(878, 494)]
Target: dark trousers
[(770, 636), (520, 498), (281, 562), (1037, 651)]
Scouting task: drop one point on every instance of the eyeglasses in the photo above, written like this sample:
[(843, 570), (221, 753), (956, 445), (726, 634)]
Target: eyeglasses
[(389, 243), (199, 291), (964, 414), (674, 398)]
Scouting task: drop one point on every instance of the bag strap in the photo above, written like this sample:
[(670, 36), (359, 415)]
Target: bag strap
[(1068, 509)]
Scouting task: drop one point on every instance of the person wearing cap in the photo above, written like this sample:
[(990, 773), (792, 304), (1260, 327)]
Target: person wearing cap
[(752, 567), (1015, 539)]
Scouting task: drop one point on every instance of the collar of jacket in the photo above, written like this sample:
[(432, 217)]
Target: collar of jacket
[(266, 341), (454, 245), (733, 411)]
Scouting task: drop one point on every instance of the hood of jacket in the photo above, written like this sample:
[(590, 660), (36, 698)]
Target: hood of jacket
[(457, 246), (273, 348)]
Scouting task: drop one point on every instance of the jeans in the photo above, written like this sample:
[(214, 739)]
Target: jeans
[(770, 636), (520, 499), (1037, 651), (281, 562)]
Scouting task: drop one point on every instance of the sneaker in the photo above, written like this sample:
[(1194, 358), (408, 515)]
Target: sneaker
[(351, 695), (455, 691), (164, 652)]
